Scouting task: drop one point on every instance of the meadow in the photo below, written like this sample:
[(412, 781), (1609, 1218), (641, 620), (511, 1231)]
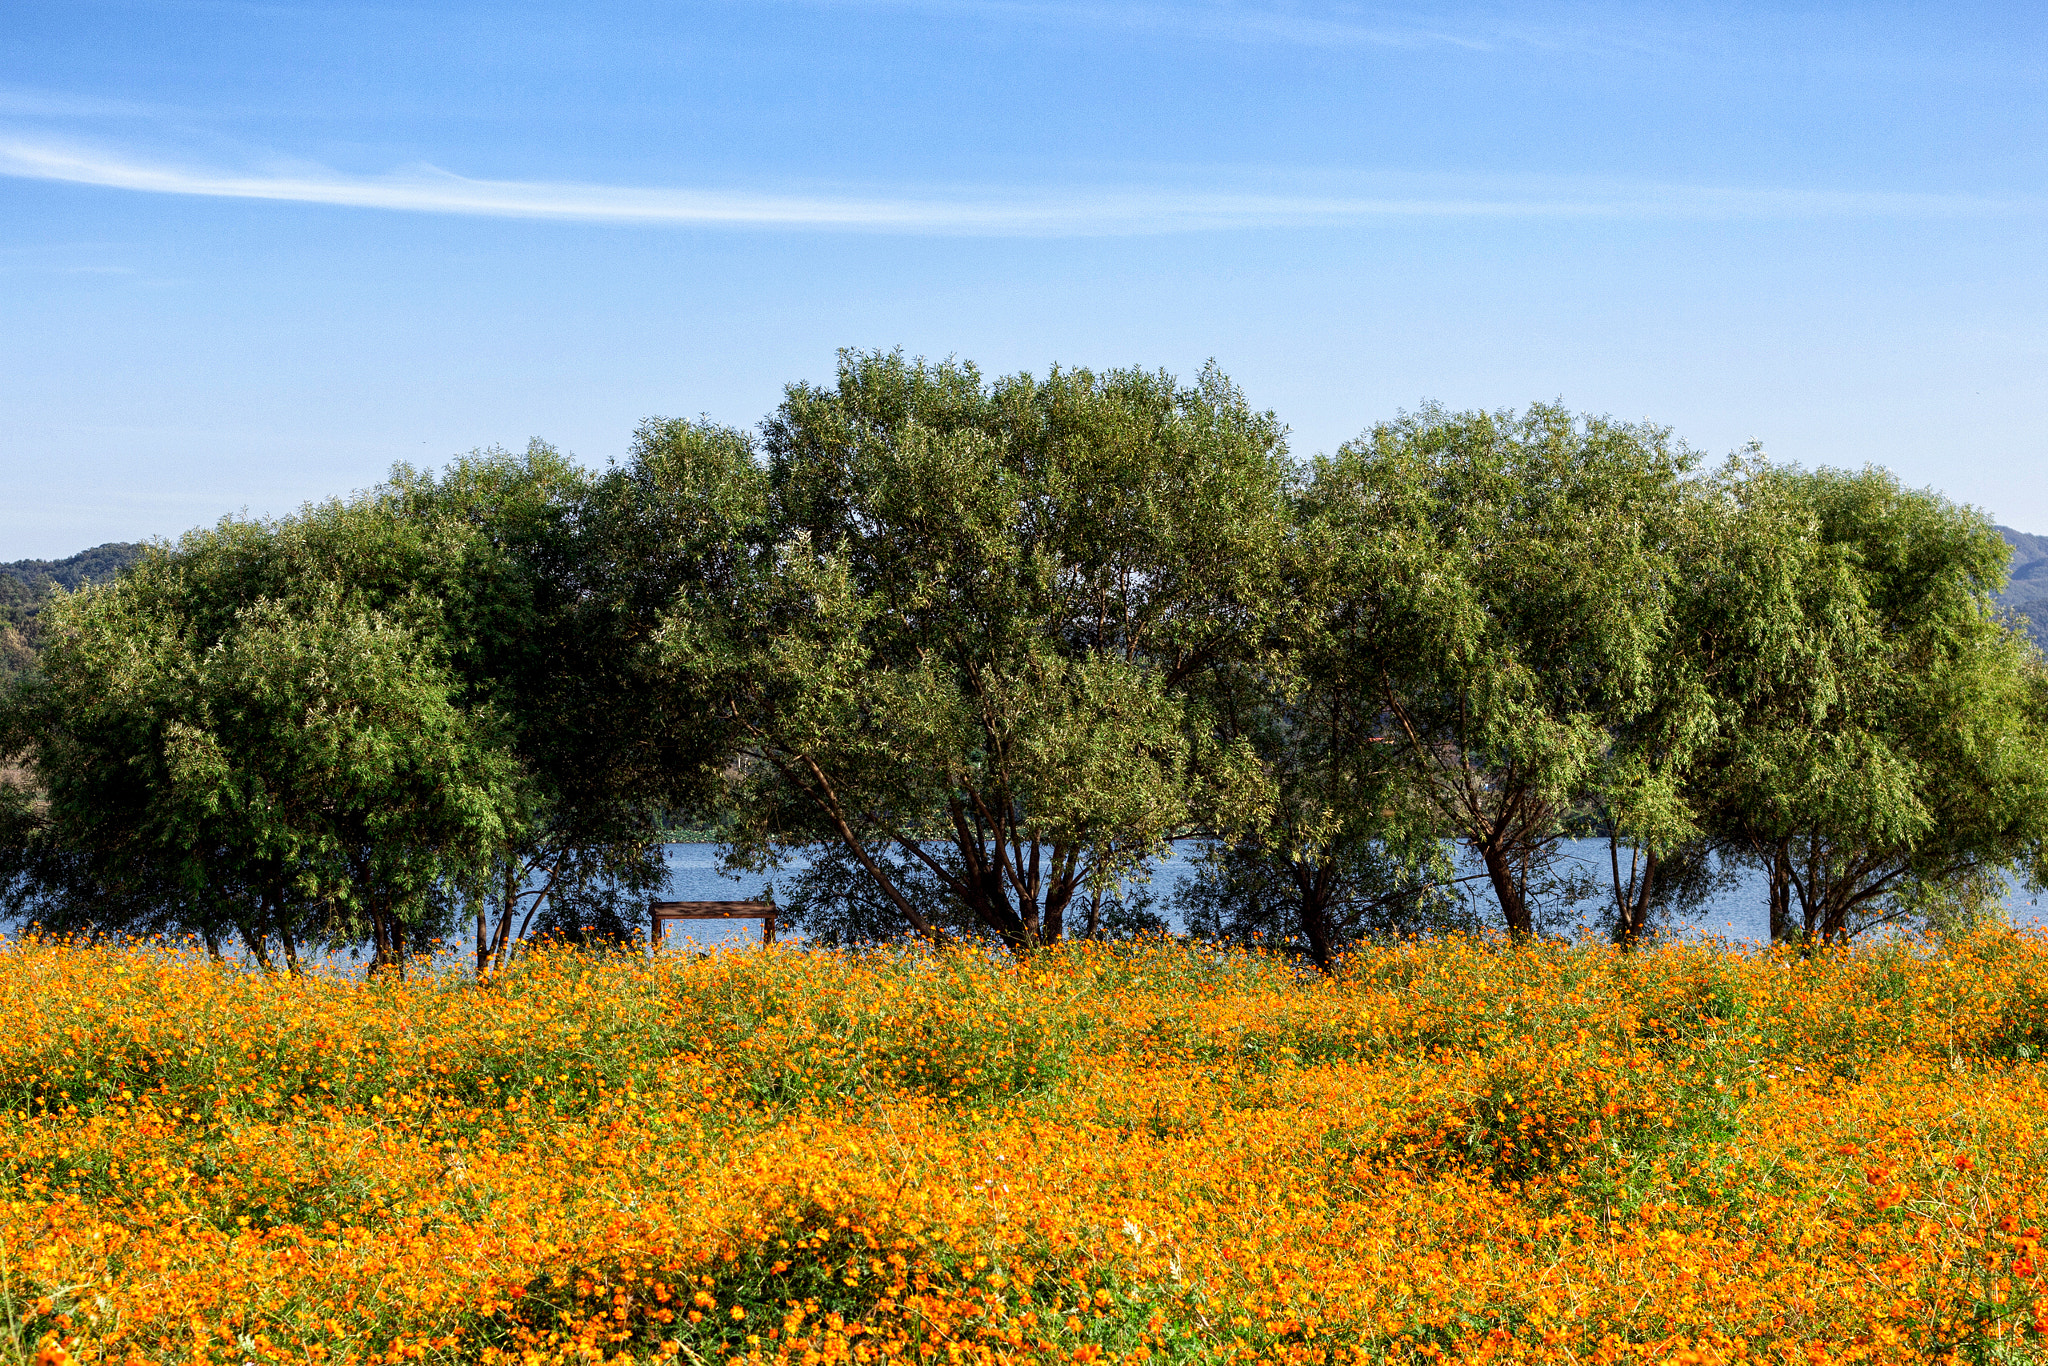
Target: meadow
[(1457, 1150)]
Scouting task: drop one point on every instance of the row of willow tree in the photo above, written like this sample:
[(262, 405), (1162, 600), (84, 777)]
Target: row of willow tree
[(977, 651)]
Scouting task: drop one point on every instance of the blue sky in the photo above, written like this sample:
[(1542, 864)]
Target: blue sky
[(251, 254)]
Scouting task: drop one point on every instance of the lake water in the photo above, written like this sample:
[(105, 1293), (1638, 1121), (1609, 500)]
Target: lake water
[(1740, 915), (694, 876)]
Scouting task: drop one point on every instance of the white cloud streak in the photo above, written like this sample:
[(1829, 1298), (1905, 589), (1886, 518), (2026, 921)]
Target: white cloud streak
[(966, 212)]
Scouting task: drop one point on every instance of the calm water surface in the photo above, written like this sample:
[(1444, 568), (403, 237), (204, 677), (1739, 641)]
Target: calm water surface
[(1740, 915)]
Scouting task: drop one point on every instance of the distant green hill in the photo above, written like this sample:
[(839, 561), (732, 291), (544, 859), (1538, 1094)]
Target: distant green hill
[(2028, 591), (26, 585)]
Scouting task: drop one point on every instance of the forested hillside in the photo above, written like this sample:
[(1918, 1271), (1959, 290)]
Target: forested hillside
[(26, 585), (2028, 591)]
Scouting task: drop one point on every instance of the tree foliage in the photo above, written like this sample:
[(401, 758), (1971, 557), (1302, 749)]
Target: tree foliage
[(961, 656), (977, 637), (1507, 583), (336, 728), (1882, 755)]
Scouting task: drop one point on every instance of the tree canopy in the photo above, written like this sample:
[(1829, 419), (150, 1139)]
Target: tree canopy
[(1507, 584), (979, 648), (972, 652), (337, 727), (1882, 755)]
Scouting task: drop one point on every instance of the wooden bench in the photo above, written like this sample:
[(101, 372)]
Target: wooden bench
[(661, 912)]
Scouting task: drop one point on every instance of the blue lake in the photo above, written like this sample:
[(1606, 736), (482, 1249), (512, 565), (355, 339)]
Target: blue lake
[(694, 876), (1740, 915)]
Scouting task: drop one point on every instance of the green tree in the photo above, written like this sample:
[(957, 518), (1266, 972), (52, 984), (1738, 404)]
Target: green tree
[(302, 774), (1884, 753), (1640, 797), (1508, 582), (452, 621), (1343, 852), (977, 643), (559, 587)]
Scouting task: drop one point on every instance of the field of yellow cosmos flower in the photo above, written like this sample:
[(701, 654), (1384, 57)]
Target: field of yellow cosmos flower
[(1456, 1150)]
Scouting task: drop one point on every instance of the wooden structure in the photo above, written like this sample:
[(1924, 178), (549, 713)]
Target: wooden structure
[(661, 912)]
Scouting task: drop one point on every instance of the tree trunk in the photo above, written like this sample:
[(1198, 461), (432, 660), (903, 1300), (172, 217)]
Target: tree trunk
[(273, 906), (989, 899), (1781, 892), (1058, 893), (482, 939), (257, 949), (1312, 892), (389, 936), (1812, 891), (1509, 891), (1835, 901), (501, 941), (1631, 898), (1315, 924)]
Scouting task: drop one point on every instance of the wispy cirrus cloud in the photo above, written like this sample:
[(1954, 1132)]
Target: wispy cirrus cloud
[(1197, 203)]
